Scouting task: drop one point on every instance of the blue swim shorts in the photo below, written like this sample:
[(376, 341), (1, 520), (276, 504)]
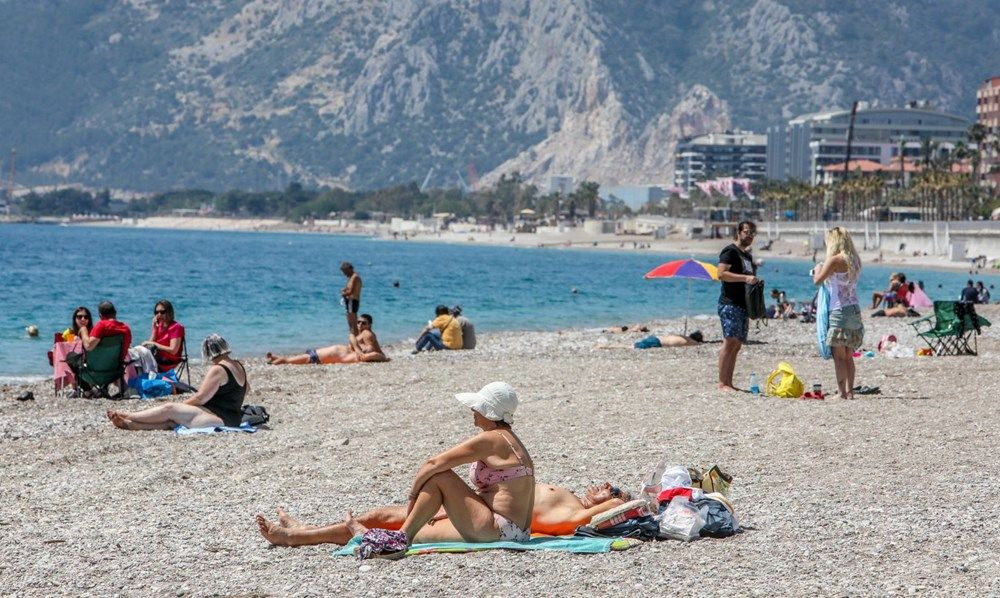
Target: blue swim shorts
[(313, 356), (735, 323)]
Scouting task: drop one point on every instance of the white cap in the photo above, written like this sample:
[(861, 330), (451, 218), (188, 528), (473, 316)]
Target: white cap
[(496, 401)]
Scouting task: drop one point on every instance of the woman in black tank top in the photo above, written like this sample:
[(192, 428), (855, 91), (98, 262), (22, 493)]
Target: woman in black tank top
[(218, 401)]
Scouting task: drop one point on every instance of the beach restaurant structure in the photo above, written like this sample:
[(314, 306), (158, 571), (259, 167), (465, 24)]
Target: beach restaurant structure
[(803, 148)]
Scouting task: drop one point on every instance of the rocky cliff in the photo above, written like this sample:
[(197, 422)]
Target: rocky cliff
[(147, 94)]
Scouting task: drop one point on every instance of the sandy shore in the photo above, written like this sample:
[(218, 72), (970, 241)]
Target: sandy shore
[(888, 494)]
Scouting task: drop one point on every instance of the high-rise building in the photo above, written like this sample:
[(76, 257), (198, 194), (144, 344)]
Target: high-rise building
[(739, 154), (988, 115), (801, 149)]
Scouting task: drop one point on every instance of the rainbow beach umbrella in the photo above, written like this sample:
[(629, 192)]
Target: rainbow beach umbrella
[(689, 269)]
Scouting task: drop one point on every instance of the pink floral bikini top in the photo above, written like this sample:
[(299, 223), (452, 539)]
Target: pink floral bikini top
[(483, 476)]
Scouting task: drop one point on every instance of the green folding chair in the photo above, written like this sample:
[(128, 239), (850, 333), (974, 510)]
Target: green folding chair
[(947, 334), (182, 367), (103, 367)]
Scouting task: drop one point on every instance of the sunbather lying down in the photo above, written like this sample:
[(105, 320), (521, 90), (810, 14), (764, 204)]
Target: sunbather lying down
[(362, 347), (557, 511)]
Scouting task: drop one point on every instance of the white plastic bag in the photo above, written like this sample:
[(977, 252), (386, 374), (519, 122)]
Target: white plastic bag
[(681, 520), (674, 477)]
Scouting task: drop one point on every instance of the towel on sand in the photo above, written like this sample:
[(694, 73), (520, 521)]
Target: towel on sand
[(214, 429), (572, 544)]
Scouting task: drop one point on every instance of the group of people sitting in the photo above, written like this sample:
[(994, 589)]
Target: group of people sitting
[(900, 298), (162, 351), (448, 330), (975, 293)]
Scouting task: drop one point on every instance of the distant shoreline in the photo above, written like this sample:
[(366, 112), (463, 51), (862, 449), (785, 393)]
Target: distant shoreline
[(571, 239)]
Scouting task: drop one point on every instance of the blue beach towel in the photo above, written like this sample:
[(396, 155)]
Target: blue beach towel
[(571, 544), (823, 320), (650, 342), (214, 429)]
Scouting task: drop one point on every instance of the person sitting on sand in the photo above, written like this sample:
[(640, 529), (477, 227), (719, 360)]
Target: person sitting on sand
[(360, 348), (502, 473), (218, 401), (443, 332), (889, 295), (557, 512)]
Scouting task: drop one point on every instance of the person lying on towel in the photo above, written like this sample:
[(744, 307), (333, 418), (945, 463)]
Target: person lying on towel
[(360, 348), (496, 507), (557, 512)]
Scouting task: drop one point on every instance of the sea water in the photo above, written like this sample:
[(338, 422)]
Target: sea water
[(280, 291)]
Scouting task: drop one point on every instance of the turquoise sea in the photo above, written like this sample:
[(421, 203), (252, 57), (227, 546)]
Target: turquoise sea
[(279, 291)]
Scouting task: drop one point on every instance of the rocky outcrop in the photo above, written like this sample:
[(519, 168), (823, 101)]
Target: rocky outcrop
[(362, 94)]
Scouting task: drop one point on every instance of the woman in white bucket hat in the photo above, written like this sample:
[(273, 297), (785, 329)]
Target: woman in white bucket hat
[(499, 504)]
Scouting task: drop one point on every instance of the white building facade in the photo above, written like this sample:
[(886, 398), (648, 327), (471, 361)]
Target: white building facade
[(739, 154), (802, 148)]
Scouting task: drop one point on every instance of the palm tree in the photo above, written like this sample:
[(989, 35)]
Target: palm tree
[(977, 135)]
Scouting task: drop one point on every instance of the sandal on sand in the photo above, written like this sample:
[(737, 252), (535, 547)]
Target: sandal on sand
[(379, 543), (813, 395), (867, 390)]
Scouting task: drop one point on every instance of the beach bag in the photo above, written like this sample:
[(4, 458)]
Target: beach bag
[(783, 382), (756, 309), (255, 415)]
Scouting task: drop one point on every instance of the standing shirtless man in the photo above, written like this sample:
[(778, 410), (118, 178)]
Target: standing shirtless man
[(351, 296), (557, 512), (360, 348)]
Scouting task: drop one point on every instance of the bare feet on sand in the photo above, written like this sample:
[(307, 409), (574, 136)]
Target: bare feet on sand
[(118, 419), (272, 532), (286, 520), (727, 388), (355, 527)]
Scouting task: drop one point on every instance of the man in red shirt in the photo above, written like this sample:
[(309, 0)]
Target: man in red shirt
[(107, 326)]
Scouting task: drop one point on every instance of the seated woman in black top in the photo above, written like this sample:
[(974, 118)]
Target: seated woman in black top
[(218, 401)]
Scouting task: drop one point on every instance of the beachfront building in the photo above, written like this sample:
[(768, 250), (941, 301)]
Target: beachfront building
[(803, 148), (988, 115), (739, 154), (634, 196)]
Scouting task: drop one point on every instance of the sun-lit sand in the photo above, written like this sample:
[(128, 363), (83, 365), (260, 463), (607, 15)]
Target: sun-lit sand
[(893, 493)]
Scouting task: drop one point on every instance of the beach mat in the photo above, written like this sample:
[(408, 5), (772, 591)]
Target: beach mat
[(571, 544), (181, 430)]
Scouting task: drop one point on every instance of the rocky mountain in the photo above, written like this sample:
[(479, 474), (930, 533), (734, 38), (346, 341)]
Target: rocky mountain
[(145, 94)]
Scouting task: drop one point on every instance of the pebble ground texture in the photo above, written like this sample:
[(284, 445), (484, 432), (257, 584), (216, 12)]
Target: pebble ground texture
[(891, 494)]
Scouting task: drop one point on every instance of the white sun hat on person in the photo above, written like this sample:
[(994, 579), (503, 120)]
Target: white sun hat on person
[(496, 401)]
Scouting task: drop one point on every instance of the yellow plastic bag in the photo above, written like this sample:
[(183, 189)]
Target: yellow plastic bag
[(784, 383)]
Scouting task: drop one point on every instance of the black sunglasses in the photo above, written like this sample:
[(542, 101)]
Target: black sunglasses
[(159, 311), (82, 316)]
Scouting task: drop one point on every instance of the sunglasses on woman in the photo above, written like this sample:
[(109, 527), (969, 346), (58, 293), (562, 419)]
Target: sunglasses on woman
[(85, 316), (159, 311)]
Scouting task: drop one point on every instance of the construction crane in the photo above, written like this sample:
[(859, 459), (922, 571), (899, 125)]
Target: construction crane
[(470, 169), (427, 179)]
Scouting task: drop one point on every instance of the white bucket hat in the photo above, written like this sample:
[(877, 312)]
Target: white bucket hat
[(496, 401)]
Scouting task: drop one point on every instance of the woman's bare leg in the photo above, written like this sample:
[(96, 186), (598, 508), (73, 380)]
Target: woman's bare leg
[(165, 417), (300, 359), (840, 357), (471, 518), (337, 533)]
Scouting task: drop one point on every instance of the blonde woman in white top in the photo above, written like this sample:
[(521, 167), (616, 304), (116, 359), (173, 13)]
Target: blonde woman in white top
[(840, 272)]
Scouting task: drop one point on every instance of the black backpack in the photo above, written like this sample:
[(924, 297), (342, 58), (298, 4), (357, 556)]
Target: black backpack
[(756, 309), (255, 415)]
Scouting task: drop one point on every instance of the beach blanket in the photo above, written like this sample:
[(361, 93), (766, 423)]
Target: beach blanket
[(569, 544), (214, 429), (823, 320)]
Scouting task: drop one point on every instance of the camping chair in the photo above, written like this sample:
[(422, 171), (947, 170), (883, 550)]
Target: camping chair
[(947, 334), (182, 367), (103, 366)]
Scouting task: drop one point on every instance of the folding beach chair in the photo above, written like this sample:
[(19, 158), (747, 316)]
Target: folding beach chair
[(181, 367), (103, 367), (951, 328)]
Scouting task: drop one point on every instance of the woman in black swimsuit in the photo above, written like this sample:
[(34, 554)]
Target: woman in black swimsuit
[(218, 401)]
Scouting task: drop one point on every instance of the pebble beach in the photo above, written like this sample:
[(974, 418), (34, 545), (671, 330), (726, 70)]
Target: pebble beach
[(890, 494)]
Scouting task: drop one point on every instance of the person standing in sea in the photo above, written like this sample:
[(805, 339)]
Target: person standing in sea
[(351, 296), (736, 271)]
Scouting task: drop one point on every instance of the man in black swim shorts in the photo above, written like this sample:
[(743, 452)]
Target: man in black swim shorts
[(350, 295)]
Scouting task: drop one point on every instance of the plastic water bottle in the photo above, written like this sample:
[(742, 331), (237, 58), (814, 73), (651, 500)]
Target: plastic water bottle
[(754, 386)]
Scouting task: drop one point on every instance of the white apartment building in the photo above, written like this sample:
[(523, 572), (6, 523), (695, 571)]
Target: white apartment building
[(739, 154), (808, 143)]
